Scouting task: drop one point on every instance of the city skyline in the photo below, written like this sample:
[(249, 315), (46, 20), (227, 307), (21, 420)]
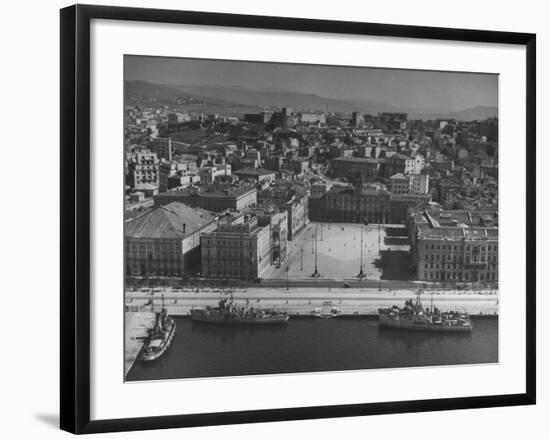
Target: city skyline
[(404, 89)]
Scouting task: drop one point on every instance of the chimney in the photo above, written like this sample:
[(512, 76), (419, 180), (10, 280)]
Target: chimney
[(183, 228)]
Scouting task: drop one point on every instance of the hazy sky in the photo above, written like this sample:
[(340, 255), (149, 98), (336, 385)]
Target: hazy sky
[(401, 88)]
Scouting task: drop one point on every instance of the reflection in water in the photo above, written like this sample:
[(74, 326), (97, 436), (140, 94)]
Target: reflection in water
[(415, 339), (312, 345)]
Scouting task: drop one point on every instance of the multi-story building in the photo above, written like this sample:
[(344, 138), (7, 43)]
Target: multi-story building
[(409, 183), (163, 147), (364, 203), (454, 245), (215, 198), (292, 199), (239, 248), (299, 165), (208, 174), (415, 164), (257, 175), (165, 241), (399, 184), (298, 215), (356, 168), (143, 168), (175, 174)]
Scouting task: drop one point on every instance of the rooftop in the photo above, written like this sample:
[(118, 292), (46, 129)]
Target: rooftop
[(253, 171), (166, 222), (211, 191)]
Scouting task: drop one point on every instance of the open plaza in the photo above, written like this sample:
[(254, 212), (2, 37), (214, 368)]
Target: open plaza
[(338, 253)]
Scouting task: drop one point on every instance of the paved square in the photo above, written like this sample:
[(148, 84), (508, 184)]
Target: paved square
[(338, 252)]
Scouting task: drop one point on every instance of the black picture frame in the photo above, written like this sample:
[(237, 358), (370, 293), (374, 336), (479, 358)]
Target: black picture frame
[(75, 217)]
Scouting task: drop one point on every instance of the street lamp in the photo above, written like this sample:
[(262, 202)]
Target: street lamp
[(316, 272), (361, 273), (287, 269)]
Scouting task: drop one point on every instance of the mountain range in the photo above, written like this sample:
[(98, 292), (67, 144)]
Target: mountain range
[(272, 98)]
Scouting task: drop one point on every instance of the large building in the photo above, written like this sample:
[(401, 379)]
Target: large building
[(454, 245), (239, 248), (364, 203), (143, 167), (165, 241), (256, 175), (401, 184), (163, 147), (177, 173), (215, 198), (356, 168), (289, 198)]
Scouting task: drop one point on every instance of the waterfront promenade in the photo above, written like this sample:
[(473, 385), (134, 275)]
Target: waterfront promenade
[(350, 301)]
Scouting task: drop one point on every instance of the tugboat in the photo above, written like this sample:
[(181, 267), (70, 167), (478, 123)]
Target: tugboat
[(228, 313), (414, 317), (160, 336)]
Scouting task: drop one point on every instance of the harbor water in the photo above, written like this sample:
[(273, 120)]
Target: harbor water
[(313, 345)]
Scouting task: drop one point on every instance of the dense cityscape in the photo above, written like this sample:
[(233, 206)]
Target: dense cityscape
[(218, 196), (348, 230)]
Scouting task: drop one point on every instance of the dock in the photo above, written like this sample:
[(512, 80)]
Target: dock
[(136, 325), (303, 301)]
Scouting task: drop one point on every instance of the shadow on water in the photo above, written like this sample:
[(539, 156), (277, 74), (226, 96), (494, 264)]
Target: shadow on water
[(413, 339), (224, 331)]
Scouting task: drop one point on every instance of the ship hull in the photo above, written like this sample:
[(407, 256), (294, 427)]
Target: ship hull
[(408, 325), (236, 320), (146, 357)]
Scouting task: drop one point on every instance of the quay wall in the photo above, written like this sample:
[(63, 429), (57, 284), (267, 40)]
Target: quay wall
[(304, 300)]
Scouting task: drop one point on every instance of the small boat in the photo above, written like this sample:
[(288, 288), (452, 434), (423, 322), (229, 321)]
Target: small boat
[(318, 312)]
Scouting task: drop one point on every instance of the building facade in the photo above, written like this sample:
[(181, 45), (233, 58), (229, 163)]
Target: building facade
[(165, 241), (364, 203), (143, 168), (455, 246), (162, 146), (356, 168), (239, 248)]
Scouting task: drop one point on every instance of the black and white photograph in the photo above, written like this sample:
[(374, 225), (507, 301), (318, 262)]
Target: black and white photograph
[(295, 218)]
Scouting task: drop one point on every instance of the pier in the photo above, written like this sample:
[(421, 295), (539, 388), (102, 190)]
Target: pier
[(136, 325)]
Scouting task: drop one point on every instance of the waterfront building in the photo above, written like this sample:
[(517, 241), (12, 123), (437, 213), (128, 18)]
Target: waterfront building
[(454, 245), (165, 241), (215, 198), (239, 248)]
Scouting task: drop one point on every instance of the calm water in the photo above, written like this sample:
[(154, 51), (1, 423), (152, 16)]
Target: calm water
[(313, 345)]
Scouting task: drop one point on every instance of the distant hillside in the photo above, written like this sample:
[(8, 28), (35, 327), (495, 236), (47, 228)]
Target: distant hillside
[(238, 99), (475, 113), (276, 98)]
